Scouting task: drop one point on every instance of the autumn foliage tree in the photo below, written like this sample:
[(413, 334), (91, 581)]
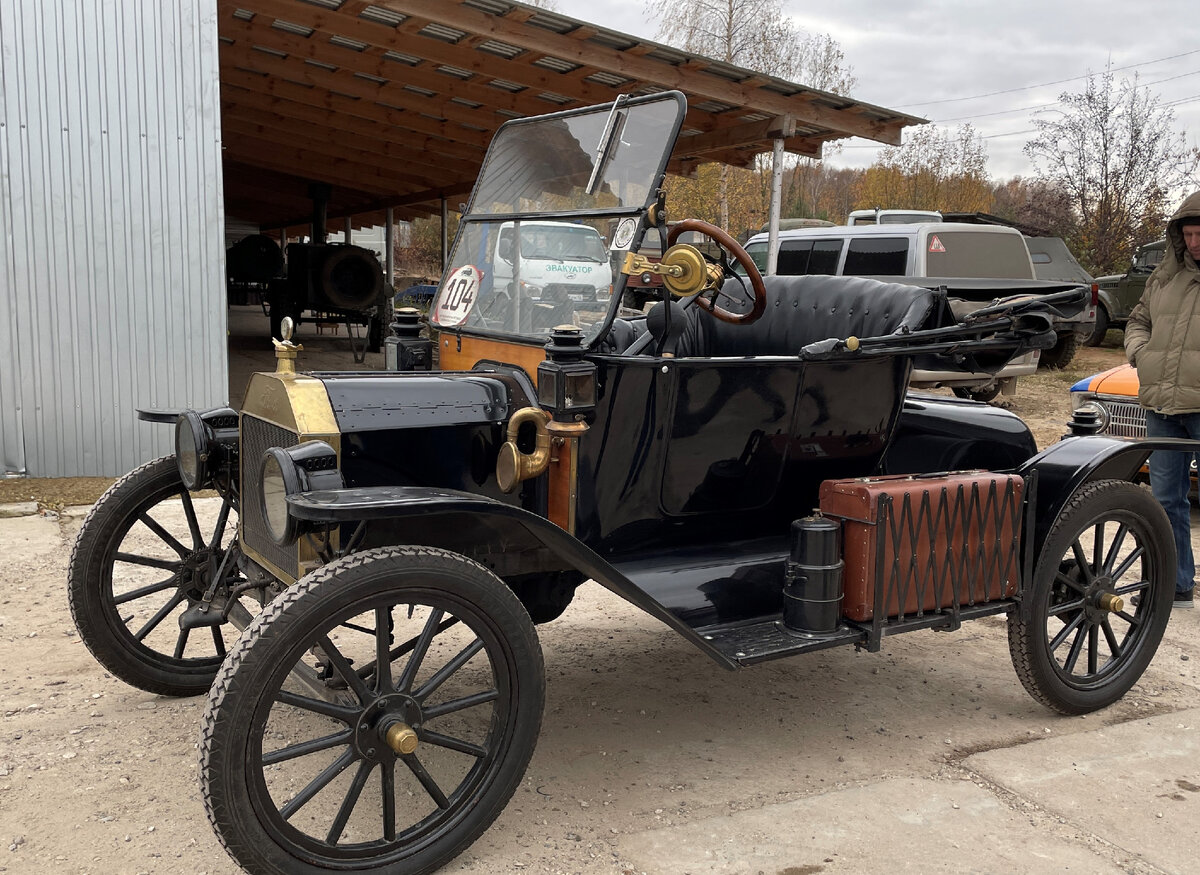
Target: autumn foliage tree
[(757, 35), (935, 169), (1035, 202), (1113, 150)]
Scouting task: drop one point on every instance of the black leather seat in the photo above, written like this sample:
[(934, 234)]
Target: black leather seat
[(621, 335), (804, 309)]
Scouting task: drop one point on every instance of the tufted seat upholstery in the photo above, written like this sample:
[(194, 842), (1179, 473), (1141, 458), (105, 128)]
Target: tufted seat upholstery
[(804, 309)]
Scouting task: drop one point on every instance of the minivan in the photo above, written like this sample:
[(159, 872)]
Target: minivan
[(922, 249)]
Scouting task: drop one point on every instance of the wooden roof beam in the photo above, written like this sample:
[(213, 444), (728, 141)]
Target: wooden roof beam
[(348, 62), (383, 37), (744, 134), (850, 122), (356, 107), (322, 166), (237, 101), (257, 122), (392, 92), (287, 183), (330, 163)]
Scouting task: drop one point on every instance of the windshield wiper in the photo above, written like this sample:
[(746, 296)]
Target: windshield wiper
[(609, 140)]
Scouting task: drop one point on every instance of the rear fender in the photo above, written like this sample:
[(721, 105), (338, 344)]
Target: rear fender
[(398, 502), (1067, 465)]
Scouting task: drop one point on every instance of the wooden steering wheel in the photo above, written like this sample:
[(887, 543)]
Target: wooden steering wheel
[(740, 255)]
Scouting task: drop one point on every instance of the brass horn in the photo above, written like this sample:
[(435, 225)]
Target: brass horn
[(513, 466)]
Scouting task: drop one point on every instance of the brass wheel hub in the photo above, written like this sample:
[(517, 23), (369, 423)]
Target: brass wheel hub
[(1101, 600), (388, 726)]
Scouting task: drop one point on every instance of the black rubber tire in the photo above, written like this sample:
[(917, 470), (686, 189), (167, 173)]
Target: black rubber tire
[(1099, 329), (1061, 354), (249, 712), (95, 574), (982, 393), (1062, 604)]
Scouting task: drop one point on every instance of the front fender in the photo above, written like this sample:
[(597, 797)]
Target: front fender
[(397, 502), (1112, 305), (1067, 465)]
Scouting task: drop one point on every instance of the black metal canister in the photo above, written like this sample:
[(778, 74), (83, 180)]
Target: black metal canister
[(406, 350), (812, 593)]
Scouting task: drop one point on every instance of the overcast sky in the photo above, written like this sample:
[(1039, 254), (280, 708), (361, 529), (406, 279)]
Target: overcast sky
[(946, 61)]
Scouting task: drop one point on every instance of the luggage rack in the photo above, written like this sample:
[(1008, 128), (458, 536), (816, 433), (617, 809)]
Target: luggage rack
[(952, 583), (953, 575)]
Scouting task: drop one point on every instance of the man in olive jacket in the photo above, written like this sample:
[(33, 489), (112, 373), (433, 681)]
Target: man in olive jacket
[(1162, 340)]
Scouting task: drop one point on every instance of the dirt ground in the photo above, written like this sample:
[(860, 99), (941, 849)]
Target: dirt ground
[(641, 732)]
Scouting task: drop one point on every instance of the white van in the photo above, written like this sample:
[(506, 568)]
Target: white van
[(916, 249), (891, 217), (980, 258), (560, 262)]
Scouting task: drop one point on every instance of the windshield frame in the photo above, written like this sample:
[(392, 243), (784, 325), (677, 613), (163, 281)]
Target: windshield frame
[(636, 210)]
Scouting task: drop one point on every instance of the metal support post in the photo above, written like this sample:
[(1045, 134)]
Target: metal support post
[(776, 195), (389, 243), (445, 234)]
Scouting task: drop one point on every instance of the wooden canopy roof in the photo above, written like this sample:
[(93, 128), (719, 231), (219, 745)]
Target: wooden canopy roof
[(393, 102)]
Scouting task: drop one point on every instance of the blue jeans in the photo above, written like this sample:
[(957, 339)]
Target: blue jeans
[(1170, 481)]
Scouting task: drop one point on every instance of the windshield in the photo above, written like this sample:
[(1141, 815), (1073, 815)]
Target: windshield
[(559, 202)]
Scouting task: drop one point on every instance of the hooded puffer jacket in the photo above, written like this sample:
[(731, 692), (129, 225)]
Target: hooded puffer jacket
[(1162, 337)]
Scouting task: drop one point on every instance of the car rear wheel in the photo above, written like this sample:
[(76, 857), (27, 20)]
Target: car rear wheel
[(1077, 640), (1061, 354), (376, 717), (978, 393), (146, 555), (1099, 329)]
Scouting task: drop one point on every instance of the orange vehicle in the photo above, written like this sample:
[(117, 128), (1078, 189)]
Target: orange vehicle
[(1113, 395)]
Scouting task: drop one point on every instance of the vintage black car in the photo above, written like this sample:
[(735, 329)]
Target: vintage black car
[(742, 462)]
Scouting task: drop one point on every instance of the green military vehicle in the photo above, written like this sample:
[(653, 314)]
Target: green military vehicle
[(1119, 293)]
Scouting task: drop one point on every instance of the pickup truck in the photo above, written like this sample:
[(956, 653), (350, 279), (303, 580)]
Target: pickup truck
[(1119, 293), (976, 264)]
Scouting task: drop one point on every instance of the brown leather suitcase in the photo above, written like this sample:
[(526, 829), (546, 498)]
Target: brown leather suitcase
[(928, 542)]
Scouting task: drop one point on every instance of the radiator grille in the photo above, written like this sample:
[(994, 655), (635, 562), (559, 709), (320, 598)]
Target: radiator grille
[(257, 437), (1126, 418)]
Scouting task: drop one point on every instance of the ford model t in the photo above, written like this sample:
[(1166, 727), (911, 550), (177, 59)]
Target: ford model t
[(741, 462)]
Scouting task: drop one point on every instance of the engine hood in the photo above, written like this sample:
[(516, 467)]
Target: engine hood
[(380, 402), (1121, 381)]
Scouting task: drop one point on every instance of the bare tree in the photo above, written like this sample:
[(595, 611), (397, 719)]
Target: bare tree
[(749, 33), (1113, 150), (819, 62), (754, 34), (1037, 203)]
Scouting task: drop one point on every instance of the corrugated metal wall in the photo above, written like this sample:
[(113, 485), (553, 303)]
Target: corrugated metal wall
[(112, 292)]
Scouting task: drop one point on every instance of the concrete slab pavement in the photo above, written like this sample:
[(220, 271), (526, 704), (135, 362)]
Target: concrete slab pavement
[(903, 825), (1136, 785)]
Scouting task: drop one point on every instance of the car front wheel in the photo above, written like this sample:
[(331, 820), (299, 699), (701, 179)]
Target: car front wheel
[(376, 717)]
